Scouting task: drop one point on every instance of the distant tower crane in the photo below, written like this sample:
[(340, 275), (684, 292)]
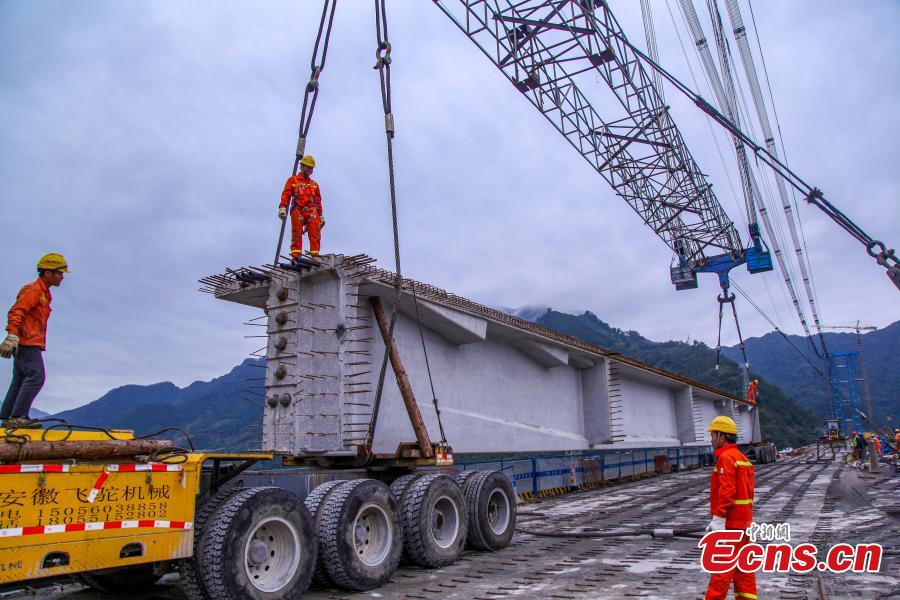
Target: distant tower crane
[(837, 357)]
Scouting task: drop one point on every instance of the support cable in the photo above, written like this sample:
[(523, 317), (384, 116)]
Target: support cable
[(740, 37), (383, 66), (727, 298), (650, 35), (762, 57), (719, 339), (724, 89), (434, 399), (718, 146), (884, 256), (310, 95), (779, 331)]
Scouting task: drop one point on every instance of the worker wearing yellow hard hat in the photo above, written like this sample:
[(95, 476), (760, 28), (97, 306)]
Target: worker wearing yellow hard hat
[(731, 504), (26, 339), (302, 199)]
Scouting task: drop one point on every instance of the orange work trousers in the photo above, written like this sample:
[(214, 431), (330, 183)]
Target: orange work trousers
[(313, 229), (744, 583)]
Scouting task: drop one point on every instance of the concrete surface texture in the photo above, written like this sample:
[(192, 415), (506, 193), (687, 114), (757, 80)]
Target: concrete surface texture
[(504, 384), (826, 503)]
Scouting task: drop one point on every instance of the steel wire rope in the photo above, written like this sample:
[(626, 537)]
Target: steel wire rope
[(434, 399), (383, 66), (878, 250), (715, 139), (692, 23), (310, 95), (805, 357), (762, 57), (764, 132), (733, 108), (767, 196)]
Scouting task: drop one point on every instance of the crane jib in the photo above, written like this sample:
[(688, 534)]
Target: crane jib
[(543, 46)]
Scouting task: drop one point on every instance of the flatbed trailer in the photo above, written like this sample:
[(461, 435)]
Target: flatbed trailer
[(118, 524)]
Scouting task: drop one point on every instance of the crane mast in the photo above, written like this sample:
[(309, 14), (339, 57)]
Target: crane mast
[(545, 48)]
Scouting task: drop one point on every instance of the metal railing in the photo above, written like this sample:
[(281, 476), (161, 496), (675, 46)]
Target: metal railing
[(586, 468)]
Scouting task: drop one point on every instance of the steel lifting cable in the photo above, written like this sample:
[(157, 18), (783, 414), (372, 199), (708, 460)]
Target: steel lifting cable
[(310, 95), (727, 298), (884, 256), (719, 339), (437, 410), (776, 328), (740, 37), (383, 66)]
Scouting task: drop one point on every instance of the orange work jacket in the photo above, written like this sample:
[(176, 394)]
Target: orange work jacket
[(731, 488), (307, 194), (29, 315)]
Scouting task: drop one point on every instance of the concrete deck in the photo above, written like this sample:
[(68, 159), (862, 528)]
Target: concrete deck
[(825, 503)]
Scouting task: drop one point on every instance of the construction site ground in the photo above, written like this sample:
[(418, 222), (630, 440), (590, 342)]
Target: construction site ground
[(825, 503)]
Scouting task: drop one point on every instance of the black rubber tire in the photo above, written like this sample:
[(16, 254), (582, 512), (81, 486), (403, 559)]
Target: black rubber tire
[(418, 511), (189, 569), (480, 504), (313, 503), (462, 479), (337, 533), (401, 484), (139, 578), (224, 570)]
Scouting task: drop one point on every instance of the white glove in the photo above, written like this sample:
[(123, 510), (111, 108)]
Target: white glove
[(9, 346), (282, 212), (717, 524)]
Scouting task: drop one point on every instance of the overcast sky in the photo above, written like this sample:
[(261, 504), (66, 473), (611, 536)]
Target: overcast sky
[(149, 141)]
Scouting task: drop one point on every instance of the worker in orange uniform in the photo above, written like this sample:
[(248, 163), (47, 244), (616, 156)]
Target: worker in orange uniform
[(26, 327), (897, 440), (303, 198), (731, 504), (752, 391)]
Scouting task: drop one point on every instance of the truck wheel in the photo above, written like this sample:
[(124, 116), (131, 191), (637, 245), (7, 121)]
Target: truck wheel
[(189, 569), (462, 479), (360, 534), (401, 484), (121, 581), (491, 506), (313, 503), (434, 521), (260, 545)]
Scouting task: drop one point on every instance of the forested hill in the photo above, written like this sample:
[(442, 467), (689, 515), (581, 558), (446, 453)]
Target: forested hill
[(775, 358), (218, 414), (781, 419)]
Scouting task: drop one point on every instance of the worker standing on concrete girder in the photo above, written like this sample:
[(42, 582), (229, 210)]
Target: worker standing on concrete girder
[(752, 391), (306, 208), (26, 326), (731, 504)]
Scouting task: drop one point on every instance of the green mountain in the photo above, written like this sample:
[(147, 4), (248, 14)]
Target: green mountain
[(781, 419), (218, 414), (772, 356)]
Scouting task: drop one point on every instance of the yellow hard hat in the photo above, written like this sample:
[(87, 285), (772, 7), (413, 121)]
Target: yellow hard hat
[(53, 262), (309, 161), (723, 424)]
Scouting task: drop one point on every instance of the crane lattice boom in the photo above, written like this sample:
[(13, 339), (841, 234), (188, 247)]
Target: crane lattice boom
[(542, 47)]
